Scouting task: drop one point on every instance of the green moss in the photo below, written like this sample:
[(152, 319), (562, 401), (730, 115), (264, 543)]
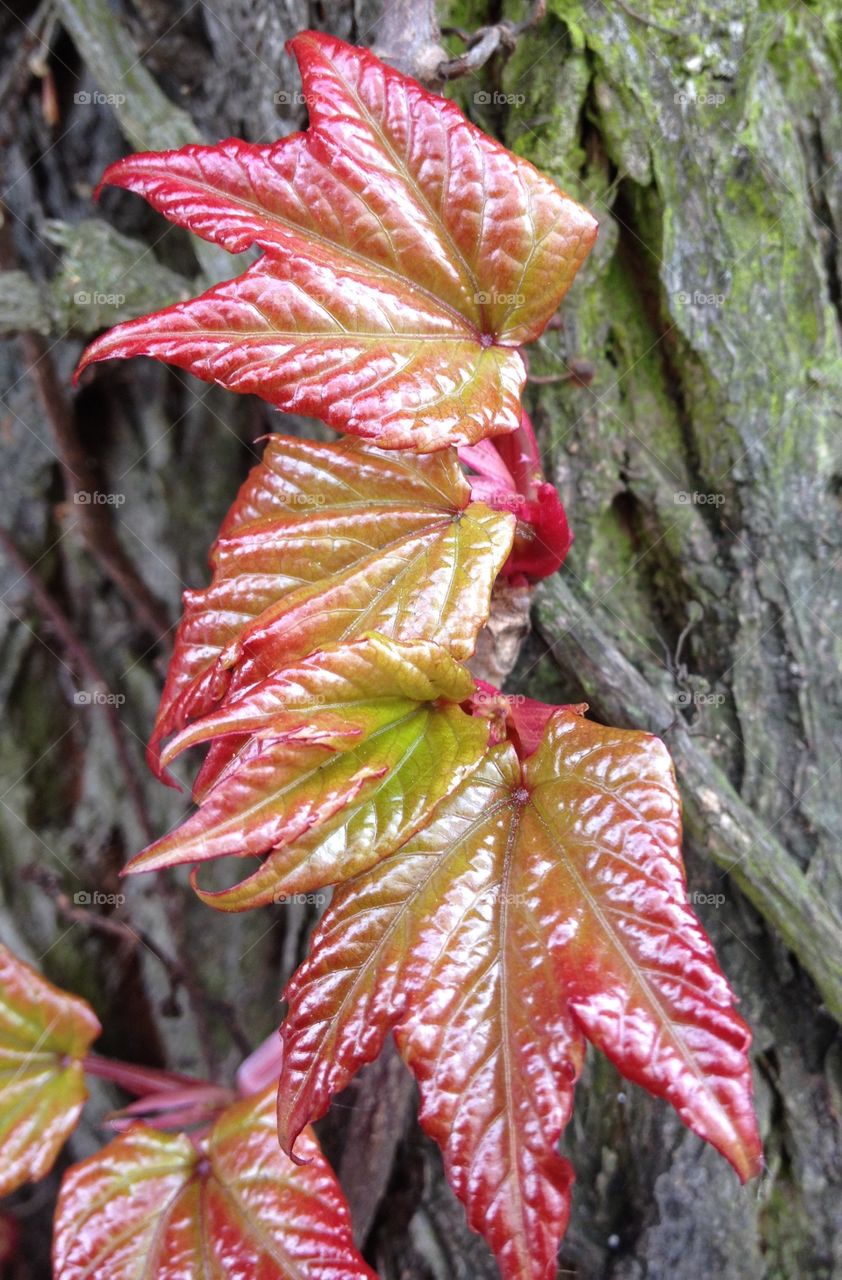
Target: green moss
[(545, 126), (785, 1231)]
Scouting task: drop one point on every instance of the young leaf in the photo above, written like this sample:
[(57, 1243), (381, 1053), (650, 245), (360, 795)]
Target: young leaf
[(520, 720), (336, 761), (151, 1206), (406, 256), (44, 1035), (323, 542), (543, 905), (508, 476)]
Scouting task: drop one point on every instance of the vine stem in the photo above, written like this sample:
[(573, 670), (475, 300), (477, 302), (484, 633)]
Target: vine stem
[(407, 36), (138, 1080), (163, 1099)]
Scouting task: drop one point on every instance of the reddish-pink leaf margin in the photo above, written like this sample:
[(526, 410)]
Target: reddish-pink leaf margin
[(158, 1206), (44, 1035), (406, 258), (392, 305), (324, 537), (543, 905)]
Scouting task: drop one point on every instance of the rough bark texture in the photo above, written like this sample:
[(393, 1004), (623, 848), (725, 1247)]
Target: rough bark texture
[(702, 473)]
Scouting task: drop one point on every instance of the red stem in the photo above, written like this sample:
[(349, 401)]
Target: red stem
[(136, 1079)]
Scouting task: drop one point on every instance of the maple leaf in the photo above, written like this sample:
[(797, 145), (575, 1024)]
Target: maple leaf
[(323, 542), (151, 1205), (543, 905), (405, 258), (44, 1035), (338, 756)]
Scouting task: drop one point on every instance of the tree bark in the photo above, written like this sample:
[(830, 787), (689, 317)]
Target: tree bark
[(702, 475)]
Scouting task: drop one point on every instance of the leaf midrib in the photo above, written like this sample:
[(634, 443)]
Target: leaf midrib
[(640, 979), (270, 800), (467, 272), (404, 909), (332, 249), (280, 607), (257, 337)]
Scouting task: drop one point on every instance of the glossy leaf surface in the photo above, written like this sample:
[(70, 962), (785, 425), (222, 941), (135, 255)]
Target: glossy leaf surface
[(44, 1035), (323, 542), (544, 905), (150, 1206), (406, 256), (336, 761)]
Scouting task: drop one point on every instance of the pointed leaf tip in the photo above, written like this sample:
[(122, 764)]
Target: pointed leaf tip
[(335, 761), (388, 300), (542, 905), (150, 1202), (324, 542), (44, 1035)]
